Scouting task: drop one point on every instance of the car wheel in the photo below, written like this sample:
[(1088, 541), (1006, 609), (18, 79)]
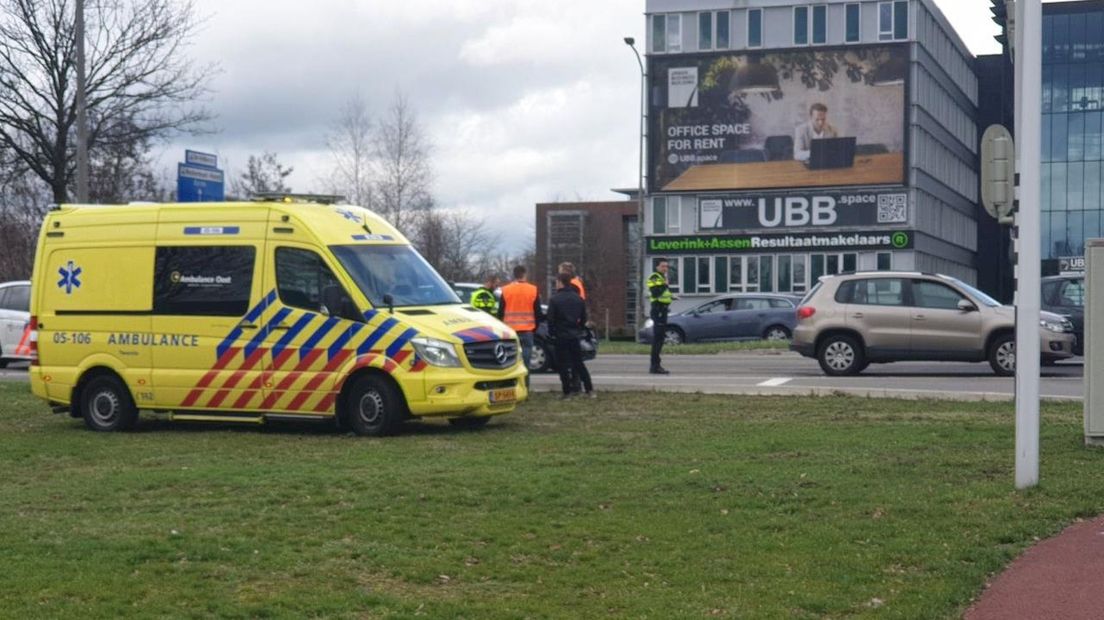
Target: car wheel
[(470, 423), (776, 332), (841, 355), (373, 407), (539, 359), (3, 362), (673, 335), (1002, 355), (106, 405)]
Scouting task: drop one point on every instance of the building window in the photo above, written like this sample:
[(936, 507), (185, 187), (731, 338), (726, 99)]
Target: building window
[(659, 215), (674, 33), (853, 29), (736, 274), (766, 274), (800, 283), (705, 280), (755, 28), (885, 261), (674, 214), (659, 33), (705, 31), (801, 25), (820, 24), (785, 274), (722, 30), (893, 20)]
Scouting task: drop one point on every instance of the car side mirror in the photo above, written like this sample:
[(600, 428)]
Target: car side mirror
[(966, 305), (349, 310)]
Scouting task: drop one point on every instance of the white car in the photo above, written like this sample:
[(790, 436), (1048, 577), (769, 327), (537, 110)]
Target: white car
[(15, 299)]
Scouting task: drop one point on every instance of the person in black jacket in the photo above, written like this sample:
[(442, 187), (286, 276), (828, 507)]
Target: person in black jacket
[(566, 325)]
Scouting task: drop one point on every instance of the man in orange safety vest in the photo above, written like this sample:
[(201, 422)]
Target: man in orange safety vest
[(521, 310)]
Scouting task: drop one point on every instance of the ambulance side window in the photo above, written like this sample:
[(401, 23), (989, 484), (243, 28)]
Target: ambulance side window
[(203, 280), (304, 281)]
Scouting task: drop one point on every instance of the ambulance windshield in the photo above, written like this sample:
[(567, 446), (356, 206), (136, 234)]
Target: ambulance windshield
[(395, 270)]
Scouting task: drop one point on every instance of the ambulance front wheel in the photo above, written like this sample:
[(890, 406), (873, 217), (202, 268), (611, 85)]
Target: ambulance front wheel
[(373, 407), (106, 404)]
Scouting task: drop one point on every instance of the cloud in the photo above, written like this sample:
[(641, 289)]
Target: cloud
[(525, 100)]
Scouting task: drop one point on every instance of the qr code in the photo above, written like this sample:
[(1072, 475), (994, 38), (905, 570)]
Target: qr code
[(892, 208)]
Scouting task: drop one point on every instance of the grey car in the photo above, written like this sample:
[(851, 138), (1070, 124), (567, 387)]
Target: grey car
[(1065, 295), (741, 316)]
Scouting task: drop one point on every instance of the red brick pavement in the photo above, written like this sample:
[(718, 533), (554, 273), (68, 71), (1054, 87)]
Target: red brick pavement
[(1061, 578)]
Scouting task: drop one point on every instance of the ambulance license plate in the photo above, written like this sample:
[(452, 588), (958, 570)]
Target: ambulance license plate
[(507, 395)]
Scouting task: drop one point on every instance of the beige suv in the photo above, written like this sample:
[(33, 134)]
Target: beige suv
[(850, 321)]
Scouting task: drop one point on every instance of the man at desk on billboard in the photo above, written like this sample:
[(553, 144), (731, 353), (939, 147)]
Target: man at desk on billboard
[(815, 129)]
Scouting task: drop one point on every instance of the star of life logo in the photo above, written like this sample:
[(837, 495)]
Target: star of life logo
[(70, 277)]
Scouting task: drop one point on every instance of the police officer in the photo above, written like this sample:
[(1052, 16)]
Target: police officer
[(660, 296), (521, 310), (483, 298)]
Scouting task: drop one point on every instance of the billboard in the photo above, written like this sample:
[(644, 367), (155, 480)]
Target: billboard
[(799, 209), (779, 119)]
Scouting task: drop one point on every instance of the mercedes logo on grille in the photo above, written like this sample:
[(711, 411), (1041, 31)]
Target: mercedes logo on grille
[(500, 354)]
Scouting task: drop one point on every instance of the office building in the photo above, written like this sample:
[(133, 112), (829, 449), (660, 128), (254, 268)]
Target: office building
[(791, 139)]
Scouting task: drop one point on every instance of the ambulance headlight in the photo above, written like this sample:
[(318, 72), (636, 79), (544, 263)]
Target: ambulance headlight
[(436, 352)]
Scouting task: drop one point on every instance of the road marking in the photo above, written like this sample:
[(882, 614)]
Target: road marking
[(775, 382)]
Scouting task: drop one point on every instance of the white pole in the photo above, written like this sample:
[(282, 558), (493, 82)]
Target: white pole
[(1028, 58)]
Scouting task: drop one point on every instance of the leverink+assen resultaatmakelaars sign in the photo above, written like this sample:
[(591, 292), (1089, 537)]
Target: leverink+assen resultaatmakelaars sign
[(821, 242)]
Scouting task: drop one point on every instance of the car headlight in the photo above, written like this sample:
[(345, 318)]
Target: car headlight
[(1053, 326), (648, 323), (436, 352)]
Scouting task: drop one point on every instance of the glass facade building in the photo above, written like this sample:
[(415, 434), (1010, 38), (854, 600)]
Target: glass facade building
[(1072, 127)]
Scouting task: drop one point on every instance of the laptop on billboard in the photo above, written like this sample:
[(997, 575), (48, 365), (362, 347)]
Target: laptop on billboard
[(827, 153)]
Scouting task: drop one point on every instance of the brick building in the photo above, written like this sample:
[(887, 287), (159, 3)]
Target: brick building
[(600, 239)]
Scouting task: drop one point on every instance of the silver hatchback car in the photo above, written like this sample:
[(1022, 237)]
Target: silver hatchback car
[(850, 321)]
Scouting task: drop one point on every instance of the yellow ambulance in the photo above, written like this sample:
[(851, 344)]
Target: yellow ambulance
[(251, 311)]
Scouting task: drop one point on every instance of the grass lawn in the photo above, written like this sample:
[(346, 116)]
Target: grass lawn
[(634, 505), (703, 348)]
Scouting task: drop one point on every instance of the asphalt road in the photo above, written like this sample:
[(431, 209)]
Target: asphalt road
[(788, 373)]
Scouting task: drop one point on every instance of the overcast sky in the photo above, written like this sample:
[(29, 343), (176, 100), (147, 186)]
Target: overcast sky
[(525, 101)]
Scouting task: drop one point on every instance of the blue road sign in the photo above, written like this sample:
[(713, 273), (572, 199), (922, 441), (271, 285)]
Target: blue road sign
[(199, 184)]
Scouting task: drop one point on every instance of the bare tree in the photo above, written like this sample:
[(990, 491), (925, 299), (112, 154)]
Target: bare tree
[(22, 204), (262, 174), (352, 147), (121, 171), (402, 168), (457, 244), (140, 83)]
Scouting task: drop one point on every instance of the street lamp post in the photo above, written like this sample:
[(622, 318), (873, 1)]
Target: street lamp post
[(82, 113), (640, 188)]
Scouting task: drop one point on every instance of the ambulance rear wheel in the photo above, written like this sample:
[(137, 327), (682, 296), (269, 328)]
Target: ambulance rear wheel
[(106, 405), (373, 407)]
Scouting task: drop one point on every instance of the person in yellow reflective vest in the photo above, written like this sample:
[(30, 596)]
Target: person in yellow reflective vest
[(660, 296), (483, 298)]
